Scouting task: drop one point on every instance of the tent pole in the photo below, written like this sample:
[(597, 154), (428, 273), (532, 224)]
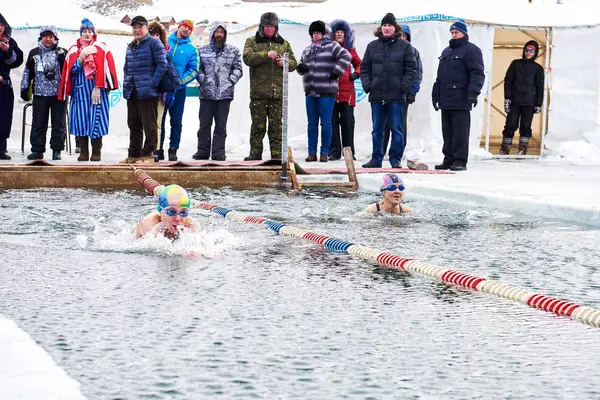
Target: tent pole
[(489, 100), (546, 92)]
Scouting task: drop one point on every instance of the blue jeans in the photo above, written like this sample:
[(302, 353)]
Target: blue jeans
[(319, 108), (379, 111), (176, 113)]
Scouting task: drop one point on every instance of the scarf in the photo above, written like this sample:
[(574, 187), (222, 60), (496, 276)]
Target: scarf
[(89, 65)]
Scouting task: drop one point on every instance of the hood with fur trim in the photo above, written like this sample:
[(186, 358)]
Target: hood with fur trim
[(155, 26), (342, 25), (213, 27)]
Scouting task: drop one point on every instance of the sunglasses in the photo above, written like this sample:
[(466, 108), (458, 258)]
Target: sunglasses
[(171, 212), (391, 188), (529, 50)]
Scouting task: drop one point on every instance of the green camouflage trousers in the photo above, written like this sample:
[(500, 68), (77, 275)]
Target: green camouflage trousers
[(260, 110)]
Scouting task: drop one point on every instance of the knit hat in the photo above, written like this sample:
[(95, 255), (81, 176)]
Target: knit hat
[(316, 26), (390, 179), (86, 24), (139, 20), (269, 18), (48, 29), (388, 19), (186, 22), (406, 30), (460, 26)]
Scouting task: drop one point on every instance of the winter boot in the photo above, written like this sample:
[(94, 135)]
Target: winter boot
[(505, 147), (253, 157), (172, 155), (371, 164), (77, 145), (84, 153), (4, 156), (35, 156), (200, 156), (523, 143), (96, 149), (159, 155), (323, 157), (311, 158), (56, 155)]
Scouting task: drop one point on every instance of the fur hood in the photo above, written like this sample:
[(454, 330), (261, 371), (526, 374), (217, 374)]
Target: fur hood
[(213, 27), (7, 28), (155, 26), (341, 25)]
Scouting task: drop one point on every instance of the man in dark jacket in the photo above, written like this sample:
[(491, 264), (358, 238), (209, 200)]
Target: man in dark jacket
[(11, 57), (145, 65), (263, 53), (387, 72), (220, 70), (43, 69), (459, 81), (523, 96)]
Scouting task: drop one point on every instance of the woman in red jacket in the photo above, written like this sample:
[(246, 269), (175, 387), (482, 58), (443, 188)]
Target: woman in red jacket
[(343, 110)]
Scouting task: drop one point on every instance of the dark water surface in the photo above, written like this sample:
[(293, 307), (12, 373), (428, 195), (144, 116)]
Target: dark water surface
[(266, 316)]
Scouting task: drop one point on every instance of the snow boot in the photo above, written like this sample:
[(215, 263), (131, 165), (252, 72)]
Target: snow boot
[(505, 147), (56, 155), (159, 155), (84, 148), (172, 154), (253, 157), (96, 149), (311, 158), (523, 143)]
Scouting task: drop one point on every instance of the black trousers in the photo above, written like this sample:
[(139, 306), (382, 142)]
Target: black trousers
[(217, 110), (343, 119), (141, 118), (44, 107), (456, 125), (7, 101), (386, 133), (522, 113)]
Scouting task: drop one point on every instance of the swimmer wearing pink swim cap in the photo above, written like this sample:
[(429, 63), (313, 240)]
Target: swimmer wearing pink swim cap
[(173, 215), (392, 189)]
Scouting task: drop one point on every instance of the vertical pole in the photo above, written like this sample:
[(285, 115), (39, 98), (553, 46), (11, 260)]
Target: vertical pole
[(489, 99), (546, 91), (284, 122)]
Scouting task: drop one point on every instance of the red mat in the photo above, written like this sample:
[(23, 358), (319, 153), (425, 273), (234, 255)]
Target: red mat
[(324, 171), (206, 163)]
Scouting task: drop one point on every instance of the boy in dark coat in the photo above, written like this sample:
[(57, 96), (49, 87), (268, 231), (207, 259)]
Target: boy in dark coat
[(388, 71), (11, 57), (460, 78), (523, 96)]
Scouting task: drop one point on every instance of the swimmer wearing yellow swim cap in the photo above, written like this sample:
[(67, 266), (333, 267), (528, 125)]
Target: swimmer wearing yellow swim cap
[(173, 215)]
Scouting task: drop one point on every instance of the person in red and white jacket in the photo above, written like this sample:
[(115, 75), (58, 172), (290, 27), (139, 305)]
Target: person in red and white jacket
[(345, 100)]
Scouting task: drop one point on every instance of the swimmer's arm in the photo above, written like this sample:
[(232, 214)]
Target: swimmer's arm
[(372, 209), (406, 210), (194, 225), (146, 225)]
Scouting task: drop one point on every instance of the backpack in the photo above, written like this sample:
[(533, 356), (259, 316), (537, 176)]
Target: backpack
[(170, 80)]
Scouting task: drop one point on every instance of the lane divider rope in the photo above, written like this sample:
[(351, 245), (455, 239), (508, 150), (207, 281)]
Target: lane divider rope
[(586, 315)]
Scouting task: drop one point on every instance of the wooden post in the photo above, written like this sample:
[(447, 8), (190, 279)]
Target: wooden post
[(350, 166), (292, 169)]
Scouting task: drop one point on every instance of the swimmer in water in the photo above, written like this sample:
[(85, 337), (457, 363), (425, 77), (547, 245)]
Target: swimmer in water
[(172, 216), (392, 188)]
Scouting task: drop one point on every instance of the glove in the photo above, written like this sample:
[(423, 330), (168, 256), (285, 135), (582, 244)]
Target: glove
[(96, 96), (473, 102), (87, 51), (333, 76), (353, 76), (25, 94), (302, 68), (436, 107), (507, 105), (537, 109), (410, 98)]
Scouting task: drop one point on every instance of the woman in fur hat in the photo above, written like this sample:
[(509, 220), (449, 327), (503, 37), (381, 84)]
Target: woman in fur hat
[(88, 76)]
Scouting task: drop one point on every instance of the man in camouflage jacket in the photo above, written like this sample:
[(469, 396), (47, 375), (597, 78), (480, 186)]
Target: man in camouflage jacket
[(263, 53)]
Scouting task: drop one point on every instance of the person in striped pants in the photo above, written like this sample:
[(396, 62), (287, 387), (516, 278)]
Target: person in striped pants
[(88, 76)]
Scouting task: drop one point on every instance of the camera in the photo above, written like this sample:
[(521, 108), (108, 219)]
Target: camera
[(50, 75)]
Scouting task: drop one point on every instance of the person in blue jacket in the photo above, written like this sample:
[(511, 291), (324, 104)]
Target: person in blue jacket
[(185, 57), (145, 65), (459, 81)]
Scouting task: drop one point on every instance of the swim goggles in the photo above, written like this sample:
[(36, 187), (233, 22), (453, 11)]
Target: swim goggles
[(171, 212), (529, 50), (391, 188)]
